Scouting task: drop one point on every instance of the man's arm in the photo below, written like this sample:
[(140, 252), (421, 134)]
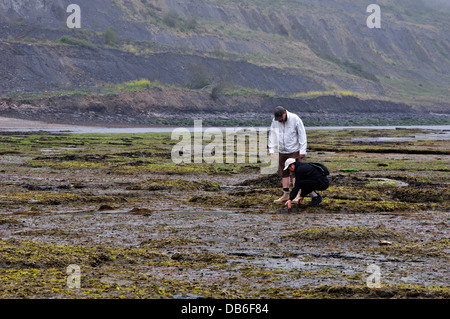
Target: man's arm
[(294, 193), (296, 188), (301, 138)]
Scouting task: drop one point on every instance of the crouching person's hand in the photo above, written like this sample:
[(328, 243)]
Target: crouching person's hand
[(288, 204)]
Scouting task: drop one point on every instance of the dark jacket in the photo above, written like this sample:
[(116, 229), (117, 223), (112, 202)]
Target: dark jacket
[(308, 179)]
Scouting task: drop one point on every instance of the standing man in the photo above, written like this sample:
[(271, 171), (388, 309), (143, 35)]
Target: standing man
[(291, 144)]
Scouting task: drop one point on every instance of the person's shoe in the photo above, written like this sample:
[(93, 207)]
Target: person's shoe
[(282, 199), (315, 200), (295, 201)]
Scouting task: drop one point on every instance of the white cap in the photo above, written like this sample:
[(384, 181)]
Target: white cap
[(288, 162)]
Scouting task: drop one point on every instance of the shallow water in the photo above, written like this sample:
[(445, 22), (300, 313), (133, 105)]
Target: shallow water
[(11, 125)]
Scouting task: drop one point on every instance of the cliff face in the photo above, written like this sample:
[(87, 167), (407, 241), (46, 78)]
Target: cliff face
[(286, 46), (43, 67)]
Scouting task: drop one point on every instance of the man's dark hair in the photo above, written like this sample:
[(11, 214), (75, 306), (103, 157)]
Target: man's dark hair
[(278, 112)]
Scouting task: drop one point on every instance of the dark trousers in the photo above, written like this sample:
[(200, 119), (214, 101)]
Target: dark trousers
[(307, 186)]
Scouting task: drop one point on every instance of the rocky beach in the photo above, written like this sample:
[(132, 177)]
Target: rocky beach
[(140, 226)]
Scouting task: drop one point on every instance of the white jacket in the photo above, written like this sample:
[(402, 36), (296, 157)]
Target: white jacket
[(291, 135)]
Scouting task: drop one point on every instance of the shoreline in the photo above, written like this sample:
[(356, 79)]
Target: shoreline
[(20, 125)]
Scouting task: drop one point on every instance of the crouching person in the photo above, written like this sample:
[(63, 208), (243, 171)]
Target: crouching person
[(308, 179)]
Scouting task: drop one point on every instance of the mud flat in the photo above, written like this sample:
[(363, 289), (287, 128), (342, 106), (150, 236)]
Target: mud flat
[(140, 226)]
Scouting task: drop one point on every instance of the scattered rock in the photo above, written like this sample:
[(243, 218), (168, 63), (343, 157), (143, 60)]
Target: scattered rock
[(141, 211), (27, 213), (105, 207)]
